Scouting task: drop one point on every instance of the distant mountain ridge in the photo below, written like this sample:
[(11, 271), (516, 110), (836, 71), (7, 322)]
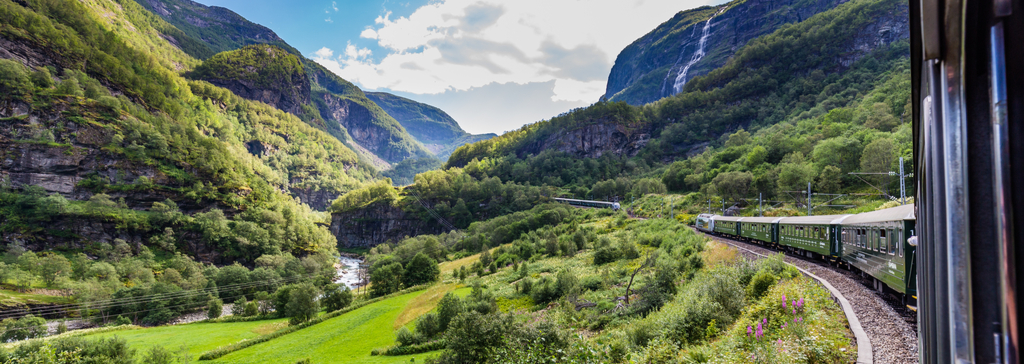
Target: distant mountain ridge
[(655, 65), (430, 125)]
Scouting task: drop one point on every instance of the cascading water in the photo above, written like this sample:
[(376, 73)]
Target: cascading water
[(698, 54)]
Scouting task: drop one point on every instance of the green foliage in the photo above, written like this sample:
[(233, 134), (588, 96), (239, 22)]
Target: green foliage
[(386, 279), (26, 327), (336, 297), (266, 66), (420, 270), (761, 283), (214, 308), (302, 303), (380, 191)]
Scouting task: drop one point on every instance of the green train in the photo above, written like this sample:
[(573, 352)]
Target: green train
[(877, 244)]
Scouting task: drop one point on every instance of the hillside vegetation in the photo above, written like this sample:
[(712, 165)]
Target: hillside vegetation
[(788, 108)]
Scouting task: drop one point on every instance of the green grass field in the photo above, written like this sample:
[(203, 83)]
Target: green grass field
[(197, 338), (348, 338)]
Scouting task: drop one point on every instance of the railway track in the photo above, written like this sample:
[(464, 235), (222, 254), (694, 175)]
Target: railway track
[(890, 328)]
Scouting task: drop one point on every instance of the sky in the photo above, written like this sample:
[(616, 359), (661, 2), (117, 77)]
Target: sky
[(492, 65)]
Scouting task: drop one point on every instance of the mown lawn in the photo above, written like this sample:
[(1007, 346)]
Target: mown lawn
[(348, 338), (197, 338)]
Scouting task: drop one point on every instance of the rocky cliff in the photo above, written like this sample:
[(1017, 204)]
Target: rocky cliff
[(694, 42), (595, 140), (377, 224), (262, 73), (219, 28)]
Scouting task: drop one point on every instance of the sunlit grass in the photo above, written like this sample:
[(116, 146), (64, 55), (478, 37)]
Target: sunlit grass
[(423, 303), (196, 338)]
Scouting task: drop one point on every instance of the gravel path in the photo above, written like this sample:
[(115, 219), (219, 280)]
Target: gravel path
[(893, 338)]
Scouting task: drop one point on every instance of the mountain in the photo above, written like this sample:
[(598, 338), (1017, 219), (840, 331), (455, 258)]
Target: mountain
[(798, 72), (429, 125), (349, 114), (695, 42), (219, 29), (105, 142)]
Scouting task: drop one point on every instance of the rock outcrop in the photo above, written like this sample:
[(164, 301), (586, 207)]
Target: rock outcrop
[(262, 73), (377, 224), (595, 140), (645, 70)]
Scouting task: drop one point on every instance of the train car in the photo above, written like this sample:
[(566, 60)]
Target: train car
[(811, 234), (703, 222), (728, 225), (763, 229), (589, 203), (876, 244)]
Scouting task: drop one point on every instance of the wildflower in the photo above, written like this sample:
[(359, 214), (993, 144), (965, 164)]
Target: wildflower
[(779, 341), (801, 303), (783, 303), (794, 311), (766, 320)]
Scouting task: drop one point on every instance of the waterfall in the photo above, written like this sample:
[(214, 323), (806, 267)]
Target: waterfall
[(677, 87)]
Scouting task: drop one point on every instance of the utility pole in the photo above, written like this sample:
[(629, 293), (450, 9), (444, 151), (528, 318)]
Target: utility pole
[(723, 206), (903, 186), (808, 199), (760, 205), (709, 205)]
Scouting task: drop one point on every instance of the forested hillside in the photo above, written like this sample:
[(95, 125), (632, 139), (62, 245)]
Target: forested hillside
[(108, 144), (828, 87)]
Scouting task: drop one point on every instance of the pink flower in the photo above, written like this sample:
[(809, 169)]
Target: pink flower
[(801, 303), (783, 299), (794, 311), (765, 320), (749, 331), (779, 341), (783, 303)]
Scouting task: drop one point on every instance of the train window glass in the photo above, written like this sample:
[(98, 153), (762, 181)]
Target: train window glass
[(883, 245), (901, 240), (893, 242), (874, 242)]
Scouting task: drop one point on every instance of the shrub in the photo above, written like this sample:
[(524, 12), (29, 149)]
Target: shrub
[(404, 337), (302, 304), (761, 283), (428, 325), (251, 309), (238, 308), (421, 269), (448, 308), (386, 279), (214, 307), (23, 328), (336, 298)]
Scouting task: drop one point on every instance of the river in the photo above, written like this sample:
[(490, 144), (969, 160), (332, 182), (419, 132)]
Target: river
[(348, 272)]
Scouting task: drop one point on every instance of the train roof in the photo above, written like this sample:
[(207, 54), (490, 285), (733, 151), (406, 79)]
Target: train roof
[(761, 220), (898, 213), (706, 215), (727, 218), (811, 220)]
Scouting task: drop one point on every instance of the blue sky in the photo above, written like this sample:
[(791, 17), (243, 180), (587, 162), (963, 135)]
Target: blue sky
[(492, 65)]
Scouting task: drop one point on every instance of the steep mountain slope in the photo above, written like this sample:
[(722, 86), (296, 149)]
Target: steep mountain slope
[(349, 114), (429, 125), (694, 42), (218, 28), (798, 72), (263, 73), (129, 150)]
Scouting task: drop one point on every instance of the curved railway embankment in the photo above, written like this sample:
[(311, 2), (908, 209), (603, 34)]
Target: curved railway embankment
[(883, 334)]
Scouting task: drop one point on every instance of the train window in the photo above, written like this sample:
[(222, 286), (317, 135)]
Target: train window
[(893, 242), (899, 233), (883, 245)]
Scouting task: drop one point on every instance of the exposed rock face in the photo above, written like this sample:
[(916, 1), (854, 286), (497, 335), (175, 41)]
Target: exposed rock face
[(319, 199), (287, 97), (880, 33), (594, 140), (377, 224), (358, 120), (645, 70)]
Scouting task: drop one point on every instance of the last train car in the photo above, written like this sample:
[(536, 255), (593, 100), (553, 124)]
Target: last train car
[(876, 243)]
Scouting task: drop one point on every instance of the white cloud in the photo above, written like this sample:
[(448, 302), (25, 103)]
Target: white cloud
[(456, 45), (368, 33), (324, 53), (334, 5), (329, 20)]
